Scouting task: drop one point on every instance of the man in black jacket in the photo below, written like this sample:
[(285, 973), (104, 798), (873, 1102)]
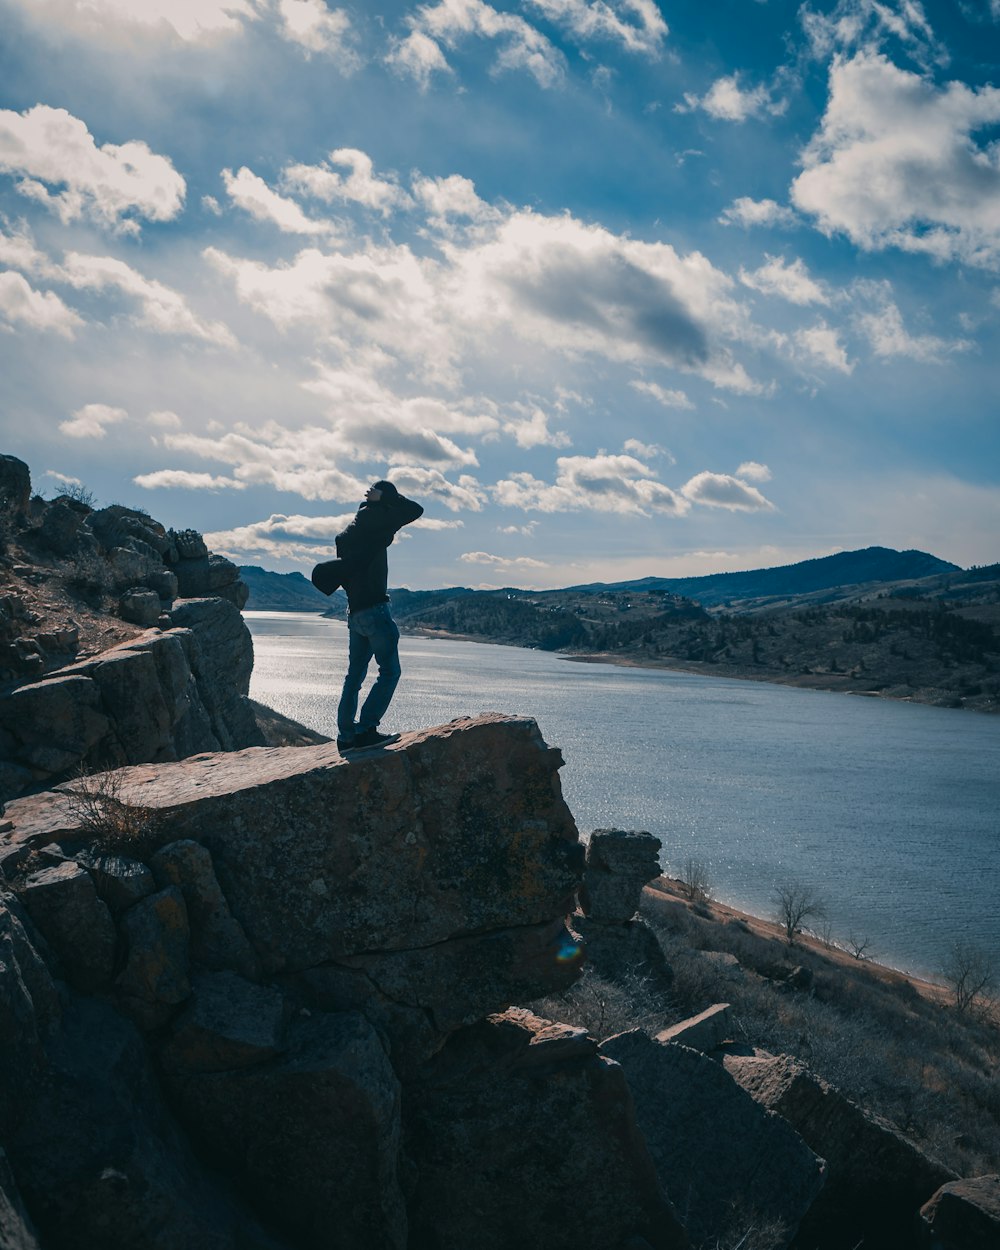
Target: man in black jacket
[(362, 549)]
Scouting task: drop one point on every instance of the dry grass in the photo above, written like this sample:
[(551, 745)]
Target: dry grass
[(108, 819)]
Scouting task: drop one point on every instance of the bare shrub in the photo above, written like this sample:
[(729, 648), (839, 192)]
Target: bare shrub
[(860, 947), (90, 575), (695, 879), (970, 974), (79, 494), (605, 1007), (794, 903), (108, 819)]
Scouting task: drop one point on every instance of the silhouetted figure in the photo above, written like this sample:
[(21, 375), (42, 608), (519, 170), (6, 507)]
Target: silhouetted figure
[(364, 572)]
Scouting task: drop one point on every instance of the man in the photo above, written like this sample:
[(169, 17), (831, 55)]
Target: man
[(364, 573)]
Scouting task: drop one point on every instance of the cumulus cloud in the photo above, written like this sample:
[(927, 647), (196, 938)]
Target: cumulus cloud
[(602, 483), (792, 282), (576, 288), (668, 398), (754, 470), (747, 212), (21, 304), (451, 197), (166, 420), (115, 184), (820, 344), (727, 101), (182, 479), (637, 25), (315, 28), (360, 185), (646, 451), (522, 46), (896, 163), (254, 196), (281, 537), (502, 562), (92, 421), (719, 490), (533, 431), (161, 308)]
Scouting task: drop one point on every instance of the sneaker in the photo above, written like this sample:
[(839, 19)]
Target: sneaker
[(372, 738), (345, 744)]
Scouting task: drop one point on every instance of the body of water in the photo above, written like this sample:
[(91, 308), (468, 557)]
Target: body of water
[(891, 811)]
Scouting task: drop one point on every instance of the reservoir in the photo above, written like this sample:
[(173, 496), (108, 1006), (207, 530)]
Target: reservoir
[(891, 811)]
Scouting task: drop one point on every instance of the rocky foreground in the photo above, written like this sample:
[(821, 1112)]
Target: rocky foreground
[(278, 1007)]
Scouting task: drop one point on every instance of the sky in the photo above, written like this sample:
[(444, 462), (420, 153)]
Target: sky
[(614, 288)]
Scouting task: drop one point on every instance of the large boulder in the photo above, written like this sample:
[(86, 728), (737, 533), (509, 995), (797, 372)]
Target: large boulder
[(54, 723), (15, 487), (221, 659), (524, 1135), (449, 832), (77, 925), (99, 1161), (877, 1179), (312, 1137), (963, 1215), (719, 1155), (619, 864)]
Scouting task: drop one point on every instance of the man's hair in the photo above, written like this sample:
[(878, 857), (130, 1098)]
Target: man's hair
[(386, 488)]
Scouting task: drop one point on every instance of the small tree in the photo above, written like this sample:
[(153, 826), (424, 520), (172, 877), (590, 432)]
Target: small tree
[(795, 903), (970, 974), (860, 947)]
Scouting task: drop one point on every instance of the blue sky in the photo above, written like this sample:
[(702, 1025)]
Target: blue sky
[(613, 287)]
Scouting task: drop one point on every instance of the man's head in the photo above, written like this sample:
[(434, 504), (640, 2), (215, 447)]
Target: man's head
[(381, 490)]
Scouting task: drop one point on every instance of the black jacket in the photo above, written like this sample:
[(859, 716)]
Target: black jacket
[(362, 549)]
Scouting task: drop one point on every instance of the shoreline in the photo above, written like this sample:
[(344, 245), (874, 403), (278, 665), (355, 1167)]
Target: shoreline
[(720, 912)]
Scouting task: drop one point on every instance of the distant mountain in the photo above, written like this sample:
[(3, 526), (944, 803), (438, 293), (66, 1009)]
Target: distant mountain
[(846, 568), (283, 592)]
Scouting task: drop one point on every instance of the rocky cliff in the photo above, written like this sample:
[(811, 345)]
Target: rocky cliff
[(120, 641), (277, 1014)]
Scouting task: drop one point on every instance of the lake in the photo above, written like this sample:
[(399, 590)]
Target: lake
[(891, 811)]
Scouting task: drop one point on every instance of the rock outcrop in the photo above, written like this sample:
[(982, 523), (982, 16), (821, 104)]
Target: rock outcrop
[(175, 690), (963, 1215), (722, 1158), (311, 957), (621, 946), (877, 1179)]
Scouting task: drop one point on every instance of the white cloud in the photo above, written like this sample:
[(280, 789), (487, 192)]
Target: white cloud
[(39, 310), (114, 184), (254, 196), (502, 562), (182, 479), (884, 330), (527, 530), (450, 21), (64, 479), (870, 23), (464, 495), (610, 19), (360, 185), (821, 344), (281, 537), (453, 196), (92, 420), (754, 470), (646, 451), (187, 19), (727, 101), (668, 398), (792, 282), (719, 490), (747, 212), (162, 309), (314, 27), (601, 483), (166, 420), (896, 163), (534, 431)]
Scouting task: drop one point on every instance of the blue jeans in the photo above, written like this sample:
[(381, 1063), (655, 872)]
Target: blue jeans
[(371, 632)]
